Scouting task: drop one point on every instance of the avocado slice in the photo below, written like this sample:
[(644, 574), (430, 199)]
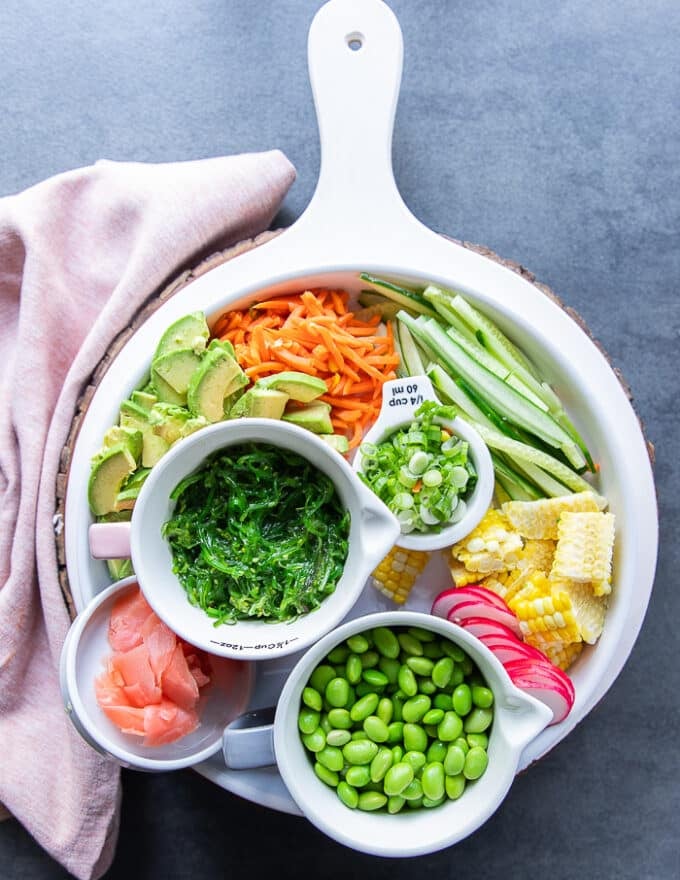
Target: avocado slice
[(153, 448), (109, 471), (217, 376), (125, 500), (337, 441), (133, 416), (315, 417), (260, 403), (119, 568), (144, 399), (190, 331), (129, 437), (165, 392), (176, 368), (298, 386)]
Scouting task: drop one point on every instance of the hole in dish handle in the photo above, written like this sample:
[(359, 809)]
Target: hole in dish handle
[(379, 529), (109, 540), (529, 717), (248, 741)]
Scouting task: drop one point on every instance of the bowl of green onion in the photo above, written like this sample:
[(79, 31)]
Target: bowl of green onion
[(427, 465)]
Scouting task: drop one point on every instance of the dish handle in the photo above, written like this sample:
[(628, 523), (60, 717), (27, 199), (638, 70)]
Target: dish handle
[(109, 540), (248, 741)]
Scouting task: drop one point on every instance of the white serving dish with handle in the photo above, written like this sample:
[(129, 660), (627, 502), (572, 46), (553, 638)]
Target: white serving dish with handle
[(357, 221)]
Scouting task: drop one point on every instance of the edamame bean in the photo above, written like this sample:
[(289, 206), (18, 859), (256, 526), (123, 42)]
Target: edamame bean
[(417, 760), (450, 727), (476, 762), (371, 800), (331, 758), (420, 665), (432, 650), (397, 754), (338, 655), (443, 701), (410, 644), (321, 676), (478, 739), (407, 681), (462, 743), (442, 672), (314, 741), (452, 651), (395, 803), (414, 709), (385, 710), (432, 780), (369, 659), (347, 794), (455, 786), (359, 734), (458, 677), (478, 720), (336, 738), (381, 764), (462, 699), (340, 718), (454, 761), (385, 641), (376, 729), (358, 775), (427, 686), (308, 720), (413, 791), (358, 643), (390, 667), (398, 778), (375, 678), (364, 707), (337, 692), (436, 751), (364, 688), (423, 635), (312, 698), (398, 700), (330, 777), (415, 738), (395, 731), (360, 751), (482, 697), (428, 803), (353, 669), (433, 716)]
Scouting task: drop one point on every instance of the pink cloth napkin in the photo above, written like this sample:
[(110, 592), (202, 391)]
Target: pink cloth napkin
[(79, 253)]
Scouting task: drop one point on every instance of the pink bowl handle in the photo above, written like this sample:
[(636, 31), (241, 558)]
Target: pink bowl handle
[(110, 540)]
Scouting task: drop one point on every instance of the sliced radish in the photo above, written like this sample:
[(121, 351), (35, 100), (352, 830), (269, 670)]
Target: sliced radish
[(473, 608), (507, 650), (448, 599), (481, 625), (545, 682)]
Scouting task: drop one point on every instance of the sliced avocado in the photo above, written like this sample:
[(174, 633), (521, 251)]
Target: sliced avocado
[(217, 376), (165, 392), (337, 441), (224, 344), (153, 448), (315, 417), (110, 469), (119, 568), (298, 386), (176, 368), (144, 399), (125, 500), (130, 437), (167, 421), (133, 416), (260, 403), (190, 332)]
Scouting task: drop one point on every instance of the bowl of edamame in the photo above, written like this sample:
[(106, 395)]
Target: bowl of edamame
[(397, 734)]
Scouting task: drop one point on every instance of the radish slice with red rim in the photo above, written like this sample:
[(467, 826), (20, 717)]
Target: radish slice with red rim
[(448, 599), (473, 608), (507, 651), (481, 625), (546, 682)]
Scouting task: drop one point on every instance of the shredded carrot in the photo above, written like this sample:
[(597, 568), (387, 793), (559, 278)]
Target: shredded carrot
[(315, 332)]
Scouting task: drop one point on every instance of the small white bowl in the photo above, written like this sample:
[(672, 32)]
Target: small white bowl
[(518, 719), (83, 658), (400, 400), (373, 530)]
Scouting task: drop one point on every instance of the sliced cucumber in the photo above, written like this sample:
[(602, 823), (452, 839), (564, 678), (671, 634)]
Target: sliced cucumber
[(549, 485), (452, 393), (514, 482), (408, 299), (410, 355)]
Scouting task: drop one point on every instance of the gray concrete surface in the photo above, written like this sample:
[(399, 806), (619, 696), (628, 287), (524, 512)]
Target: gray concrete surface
[(547, 131)]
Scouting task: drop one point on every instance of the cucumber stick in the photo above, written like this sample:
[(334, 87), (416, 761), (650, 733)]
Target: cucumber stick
[(408, 350), (408, 299), (499, 395)]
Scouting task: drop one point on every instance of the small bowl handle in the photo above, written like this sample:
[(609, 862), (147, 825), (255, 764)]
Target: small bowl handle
[(109, 540), (248, 741)]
